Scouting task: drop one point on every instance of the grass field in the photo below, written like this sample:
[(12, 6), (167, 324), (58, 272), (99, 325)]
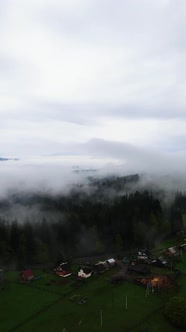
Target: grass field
[(44, 304), (103, 300)]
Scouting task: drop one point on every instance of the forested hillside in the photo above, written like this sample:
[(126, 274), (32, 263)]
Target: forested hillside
[(106, 217)]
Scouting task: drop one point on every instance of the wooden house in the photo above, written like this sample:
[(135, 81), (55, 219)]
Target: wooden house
[(63, 270), (100, 267), (172, 252)]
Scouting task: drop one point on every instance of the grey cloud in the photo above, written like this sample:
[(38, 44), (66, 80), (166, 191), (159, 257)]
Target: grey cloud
[(138, 159)]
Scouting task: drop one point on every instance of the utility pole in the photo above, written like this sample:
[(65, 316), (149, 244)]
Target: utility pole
[(126, 302), (101, 316)]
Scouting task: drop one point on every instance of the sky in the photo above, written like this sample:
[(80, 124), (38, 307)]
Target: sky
[(92, 83)]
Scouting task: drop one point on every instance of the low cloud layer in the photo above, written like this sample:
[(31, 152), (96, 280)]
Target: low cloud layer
[(59, 173)]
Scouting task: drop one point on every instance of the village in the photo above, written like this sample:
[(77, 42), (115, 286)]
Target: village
[(94, 291), (143, 264)]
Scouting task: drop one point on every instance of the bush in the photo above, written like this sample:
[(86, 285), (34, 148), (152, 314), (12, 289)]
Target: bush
[(175, 311)]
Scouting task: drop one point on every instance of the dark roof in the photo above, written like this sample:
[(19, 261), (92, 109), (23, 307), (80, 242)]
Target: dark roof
[(85, 269), (100, 267), (182, 247), (64, 267)]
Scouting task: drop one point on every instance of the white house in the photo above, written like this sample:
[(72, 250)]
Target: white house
[(84, 272)]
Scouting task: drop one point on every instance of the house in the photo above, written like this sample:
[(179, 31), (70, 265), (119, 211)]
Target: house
[(63, 270), (100, 267), (84, 272), (26, 275), (172, 252), (106, 265), (143, 254), (182, 247), (111, 262), (160, 262)]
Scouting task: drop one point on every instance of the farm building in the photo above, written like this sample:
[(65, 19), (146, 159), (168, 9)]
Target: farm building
[(100, 267), (106, 265), (63, 270), (182, 247), (172, 251), (160, 262), (111, 262), (84, 272), (26, 275), (144, 254)]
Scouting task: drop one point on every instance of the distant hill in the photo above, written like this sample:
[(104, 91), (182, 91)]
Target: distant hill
[(6, 159)]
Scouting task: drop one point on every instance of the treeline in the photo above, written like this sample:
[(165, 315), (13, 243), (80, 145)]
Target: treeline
[(82, 224)]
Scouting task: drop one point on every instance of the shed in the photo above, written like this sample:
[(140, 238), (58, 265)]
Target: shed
[(160, 262), (182, 247), (111, 262), (106, 265), (172, 251), (100, 267), (126, 260), (26, 275)]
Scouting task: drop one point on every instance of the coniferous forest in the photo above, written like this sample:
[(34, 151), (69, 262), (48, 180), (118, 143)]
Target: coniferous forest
[(105, 217)]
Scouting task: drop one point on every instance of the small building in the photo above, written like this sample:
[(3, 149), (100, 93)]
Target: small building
[(106, 265), (143, 254), (63, 270), (126, 260), (26, 275), (172, 252), (111, 262), (160, 262), (84, 272), (182, 247), (100, 267)]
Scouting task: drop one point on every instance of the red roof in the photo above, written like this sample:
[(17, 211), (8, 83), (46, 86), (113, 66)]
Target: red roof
[(27, 274)]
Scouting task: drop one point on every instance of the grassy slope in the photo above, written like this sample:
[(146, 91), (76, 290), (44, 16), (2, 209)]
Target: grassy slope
[(102, 296), (20, 302)]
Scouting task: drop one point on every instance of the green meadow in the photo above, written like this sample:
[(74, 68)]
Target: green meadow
[(45, 304)]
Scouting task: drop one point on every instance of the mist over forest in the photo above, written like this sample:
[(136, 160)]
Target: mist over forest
[(95, 216)]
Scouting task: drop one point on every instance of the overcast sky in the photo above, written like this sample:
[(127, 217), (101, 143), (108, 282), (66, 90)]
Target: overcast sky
[(93, 82)]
